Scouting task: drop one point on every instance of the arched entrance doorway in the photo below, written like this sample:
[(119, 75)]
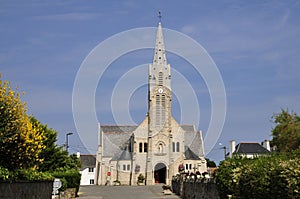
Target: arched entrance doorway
[(160, 171)]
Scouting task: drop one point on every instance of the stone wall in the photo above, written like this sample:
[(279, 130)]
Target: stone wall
[(25, 190), (68, 194), (195, 188)]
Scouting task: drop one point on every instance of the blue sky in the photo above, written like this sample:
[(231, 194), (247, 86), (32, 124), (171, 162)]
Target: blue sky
[(255, 45)]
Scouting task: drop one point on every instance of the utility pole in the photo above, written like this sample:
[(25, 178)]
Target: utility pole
[(67, 140)]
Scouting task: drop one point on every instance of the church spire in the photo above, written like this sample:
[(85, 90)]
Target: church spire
[(159, 58), (159, 70)]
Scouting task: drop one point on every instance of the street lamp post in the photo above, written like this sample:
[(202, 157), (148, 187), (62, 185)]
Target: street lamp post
[(224, 148), (67, 141)]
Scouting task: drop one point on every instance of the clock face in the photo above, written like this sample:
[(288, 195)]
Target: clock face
[(160, 90)]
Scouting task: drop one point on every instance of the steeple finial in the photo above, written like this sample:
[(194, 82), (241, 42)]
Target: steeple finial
[(159, 16)]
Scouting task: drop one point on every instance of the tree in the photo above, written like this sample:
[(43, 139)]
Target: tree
[(54, 156), (20, 143), (210, 163), (286, 133)]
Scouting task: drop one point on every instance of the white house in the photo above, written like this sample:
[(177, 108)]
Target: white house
[(87, 170), (249, 149)]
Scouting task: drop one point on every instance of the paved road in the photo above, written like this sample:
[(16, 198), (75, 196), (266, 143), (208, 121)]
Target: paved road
[(123, 192)]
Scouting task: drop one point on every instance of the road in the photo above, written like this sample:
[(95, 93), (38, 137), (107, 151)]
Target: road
[(123, 192)]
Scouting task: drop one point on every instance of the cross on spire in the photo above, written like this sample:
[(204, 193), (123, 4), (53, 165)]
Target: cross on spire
[(159, 16)]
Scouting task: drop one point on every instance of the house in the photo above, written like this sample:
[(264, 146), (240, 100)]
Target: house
[(156, 147), (249, 149), (88, 168)]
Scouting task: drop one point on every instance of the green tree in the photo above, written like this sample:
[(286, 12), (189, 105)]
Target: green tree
[(286, 133), (20, 143), (54, 156), (210, 163), (274, 176)]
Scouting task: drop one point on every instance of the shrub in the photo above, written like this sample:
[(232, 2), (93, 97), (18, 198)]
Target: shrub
[(276, 176), (141, 178), (24, 175), (70, 178)]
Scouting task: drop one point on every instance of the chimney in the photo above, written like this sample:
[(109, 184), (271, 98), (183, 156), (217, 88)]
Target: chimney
[(78, 154), (266, 144), (231, 148)]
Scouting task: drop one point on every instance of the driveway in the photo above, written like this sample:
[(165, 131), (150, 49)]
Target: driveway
[(123, 192)]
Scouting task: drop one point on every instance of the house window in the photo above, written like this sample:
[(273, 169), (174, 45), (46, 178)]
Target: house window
[(186, 167), (92, 181), (128, 167), (124, 167), (145, 147), (190, 166), (91, 169), (173, 146), (177, 146), (140, 147)]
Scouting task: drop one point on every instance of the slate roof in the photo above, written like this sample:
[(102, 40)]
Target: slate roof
[(250, 148), (115, 139), (190, 155), (124, 155), (192, 139), (87, 161), (118, 129)]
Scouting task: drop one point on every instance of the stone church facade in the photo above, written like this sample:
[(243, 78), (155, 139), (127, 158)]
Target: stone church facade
[(159, 145)]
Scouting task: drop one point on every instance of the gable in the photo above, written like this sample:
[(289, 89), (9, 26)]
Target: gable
[(193, 139)]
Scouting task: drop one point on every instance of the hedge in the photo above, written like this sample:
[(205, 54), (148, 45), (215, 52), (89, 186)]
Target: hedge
[(276, 176), (24, 175), (70, 178)]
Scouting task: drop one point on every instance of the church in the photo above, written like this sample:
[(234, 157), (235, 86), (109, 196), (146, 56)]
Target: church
[(156, 148)]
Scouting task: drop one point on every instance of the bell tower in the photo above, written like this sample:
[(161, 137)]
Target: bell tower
[(159, 99), (159, 155)]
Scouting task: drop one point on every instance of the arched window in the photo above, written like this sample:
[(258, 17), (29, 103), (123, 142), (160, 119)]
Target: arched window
[(140, 147), (145, 147), (173, 146), (177, 147)]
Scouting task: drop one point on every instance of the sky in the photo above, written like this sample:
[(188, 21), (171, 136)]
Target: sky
[(254, 44)]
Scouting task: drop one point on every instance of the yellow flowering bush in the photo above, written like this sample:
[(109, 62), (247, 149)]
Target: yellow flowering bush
[(20, 142)]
